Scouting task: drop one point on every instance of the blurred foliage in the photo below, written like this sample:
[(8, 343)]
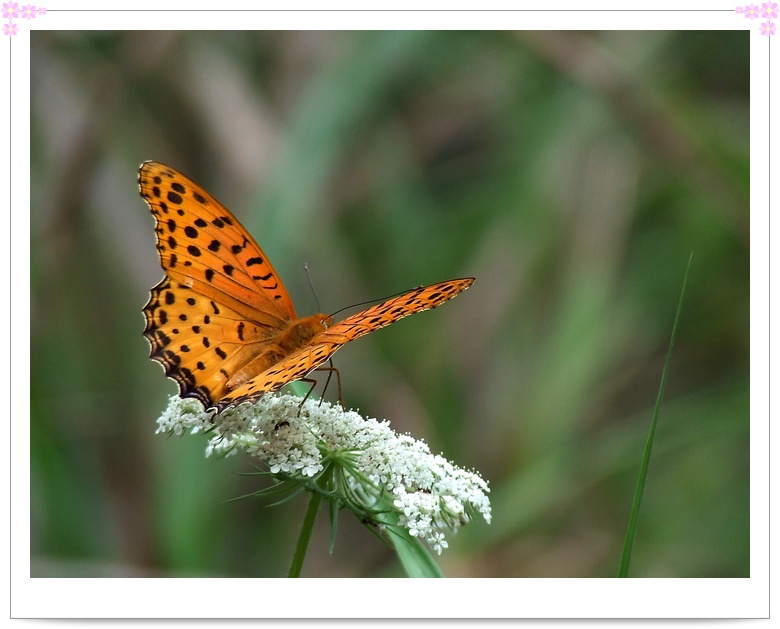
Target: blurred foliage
[(571, 173)]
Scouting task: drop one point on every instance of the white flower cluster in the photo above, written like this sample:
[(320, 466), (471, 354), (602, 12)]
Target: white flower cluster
[(432, 496)]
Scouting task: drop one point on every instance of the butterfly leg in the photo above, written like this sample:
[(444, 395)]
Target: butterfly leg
[(313, 384), (331, 370)]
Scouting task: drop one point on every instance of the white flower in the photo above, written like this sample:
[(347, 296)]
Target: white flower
[(365, 464)]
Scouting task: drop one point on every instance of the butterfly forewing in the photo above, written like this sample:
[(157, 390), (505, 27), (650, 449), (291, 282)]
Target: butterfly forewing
[(326, 343), (200, 241)]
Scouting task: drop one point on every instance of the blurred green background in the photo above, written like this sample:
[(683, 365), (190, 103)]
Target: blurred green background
[(571, 173)]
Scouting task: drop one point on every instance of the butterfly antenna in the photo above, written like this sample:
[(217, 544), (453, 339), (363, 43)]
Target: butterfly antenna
[(311, 286), (372, 301)]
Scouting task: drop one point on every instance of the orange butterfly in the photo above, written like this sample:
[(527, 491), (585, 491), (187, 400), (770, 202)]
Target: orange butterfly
[(221, 322)]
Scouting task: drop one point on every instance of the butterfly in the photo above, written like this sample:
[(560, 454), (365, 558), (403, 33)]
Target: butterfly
[(221, 323)]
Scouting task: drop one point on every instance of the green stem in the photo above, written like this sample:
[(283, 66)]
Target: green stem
[(305, 535)]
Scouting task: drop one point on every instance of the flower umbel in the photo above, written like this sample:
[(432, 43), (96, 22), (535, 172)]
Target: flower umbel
[(388, 480)]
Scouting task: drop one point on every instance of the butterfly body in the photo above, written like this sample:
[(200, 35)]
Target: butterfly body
[(298, 334), (221, 323)]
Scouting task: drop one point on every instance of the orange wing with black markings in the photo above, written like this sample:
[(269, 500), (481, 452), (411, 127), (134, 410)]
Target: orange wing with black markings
[(220, 322)]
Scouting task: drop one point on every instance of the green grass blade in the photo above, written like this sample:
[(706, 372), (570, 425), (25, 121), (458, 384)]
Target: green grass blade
[(640, 485)]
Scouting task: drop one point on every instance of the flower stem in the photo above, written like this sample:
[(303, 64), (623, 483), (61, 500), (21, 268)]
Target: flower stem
[(305, 535)]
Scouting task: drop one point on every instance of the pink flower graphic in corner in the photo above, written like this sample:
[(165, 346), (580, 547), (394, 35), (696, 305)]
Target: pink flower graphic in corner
[(768, 11), (11, 11)]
